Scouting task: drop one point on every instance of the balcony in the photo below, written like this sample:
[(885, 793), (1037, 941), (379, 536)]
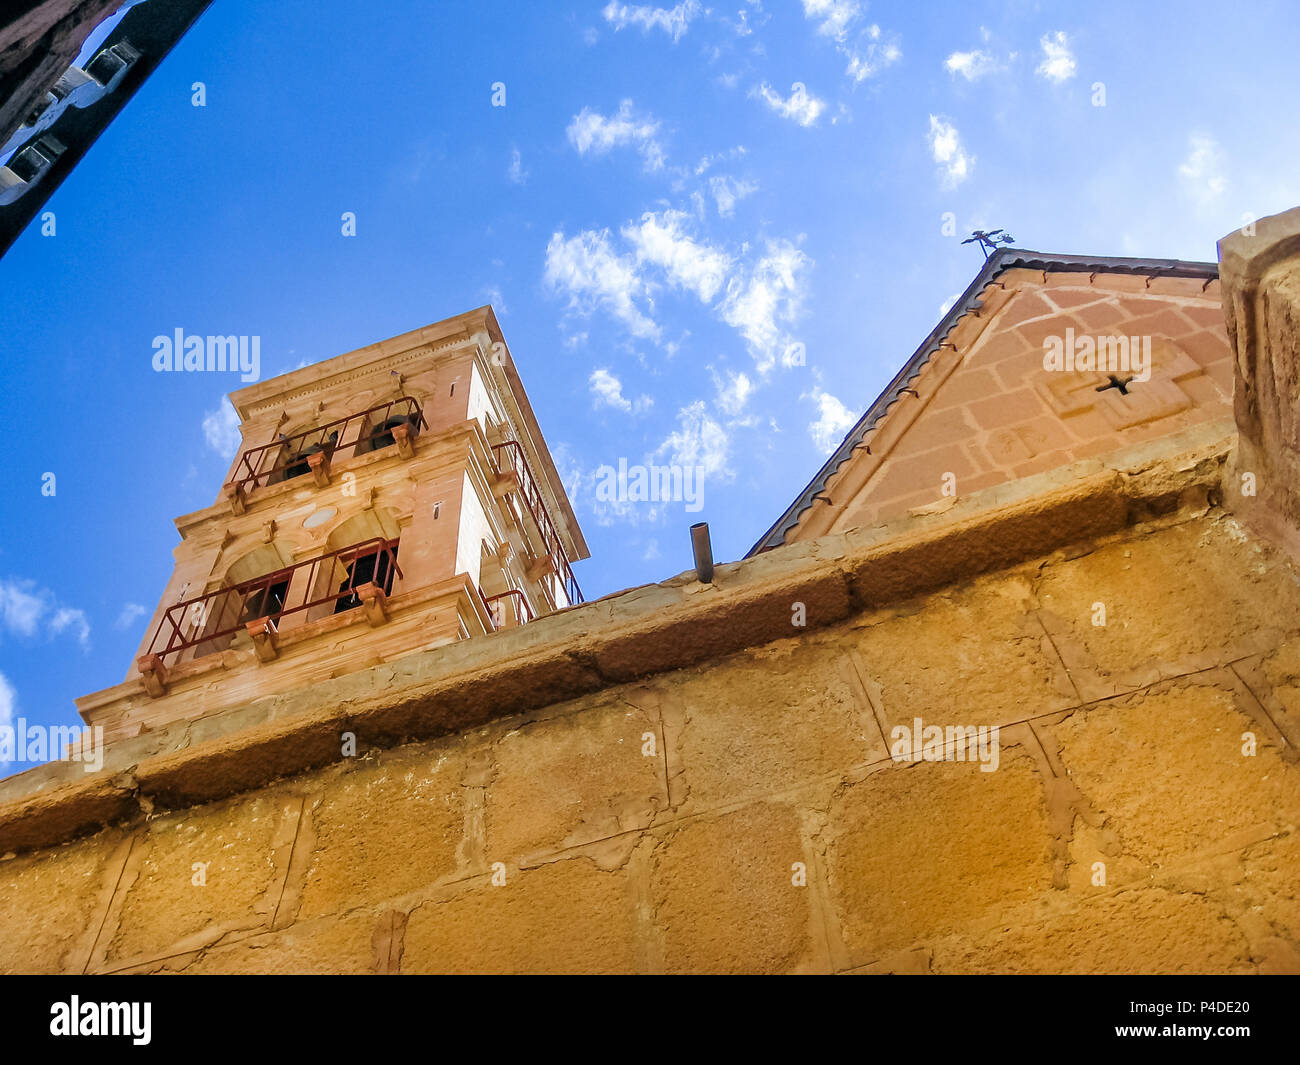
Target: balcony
[(513, 471), (360, 576), (312, 451), (507, 610)]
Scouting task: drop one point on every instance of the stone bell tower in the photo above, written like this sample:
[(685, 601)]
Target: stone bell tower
[(382, 502)]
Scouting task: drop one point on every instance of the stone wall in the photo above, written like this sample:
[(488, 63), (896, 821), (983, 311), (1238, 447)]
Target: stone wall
[(729, 803)]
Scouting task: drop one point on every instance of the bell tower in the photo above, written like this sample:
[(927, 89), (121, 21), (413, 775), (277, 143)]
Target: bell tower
[(387, 501)]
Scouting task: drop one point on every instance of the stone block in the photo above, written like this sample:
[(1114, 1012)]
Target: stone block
[(769, 719), (724, 895), (326, 947), (573, 778), (198, 875), (566, 917), (1141, 931), (1177, 599), (384, 829), (972, 656), (52, 903), (1168, 772), (919, 852)]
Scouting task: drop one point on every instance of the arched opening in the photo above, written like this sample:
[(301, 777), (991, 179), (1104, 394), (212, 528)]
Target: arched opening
[(365, 548), (292, 460), (255, 585), (380, 435)]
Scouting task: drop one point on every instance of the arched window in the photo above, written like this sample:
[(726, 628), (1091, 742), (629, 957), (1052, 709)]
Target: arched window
[(381, 435), (293, 459), (373, 533)]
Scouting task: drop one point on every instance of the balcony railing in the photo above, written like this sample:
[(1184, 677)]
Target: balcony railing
[(289, 456), (509, 604), (209, 622), (510, 456)]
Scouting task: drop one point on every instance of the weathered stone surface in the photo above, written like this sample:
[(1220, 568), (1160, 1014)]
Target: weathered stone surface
[(724, 895), (336, 946), (231, 847), (387, 828), (1168, 772), (1129, 932), (1260, 268), (917, 853), (572, 778), (1182, 598), (568, 917), (1281, 688), (1269, 889), (973, 656), (769, 719), (52, 904)]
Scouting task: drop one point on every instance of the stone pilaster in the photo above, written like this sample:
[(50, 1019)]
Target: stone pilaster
[(1259, 266)]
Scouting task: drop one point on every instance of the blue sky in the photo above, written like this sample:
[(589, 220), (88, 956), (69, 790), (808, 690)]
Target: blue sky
[(711, 234)]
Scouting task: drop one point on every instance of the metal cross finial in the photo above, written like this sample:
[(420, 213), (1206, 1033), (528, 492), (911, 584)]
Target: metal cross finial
[(989, 241)]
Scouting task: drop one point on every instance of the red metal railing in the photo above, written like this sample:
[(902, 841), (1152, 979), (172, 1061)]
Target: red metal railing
[(287, 457), (510, 456), (215, 617), (523, 613)]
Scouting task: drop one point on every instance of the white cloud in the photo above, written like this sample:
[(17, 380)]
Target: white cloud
[(834, 17), (709, 161), (1058, 61), (800, 107), (74, 620), (834, 420), (867, 49), (673, 21), (493, 296), (946, 147), (20, 611), (1202, 171), (130, 611), (727, 190), (221, 430), (734, 393), (608, 389), (593, 275), (760, 300), (568, 468), (699, 441), (871, 56), (516, 173), (26, 609), (660, 239), (741, 27), (948, 304), (651, 551), (758, 306), (971, 65), (590, 131)]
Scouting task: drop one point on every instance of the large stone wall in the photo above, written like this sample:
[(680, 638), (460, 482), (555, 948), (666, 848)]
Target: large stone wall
[(743, 814)]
